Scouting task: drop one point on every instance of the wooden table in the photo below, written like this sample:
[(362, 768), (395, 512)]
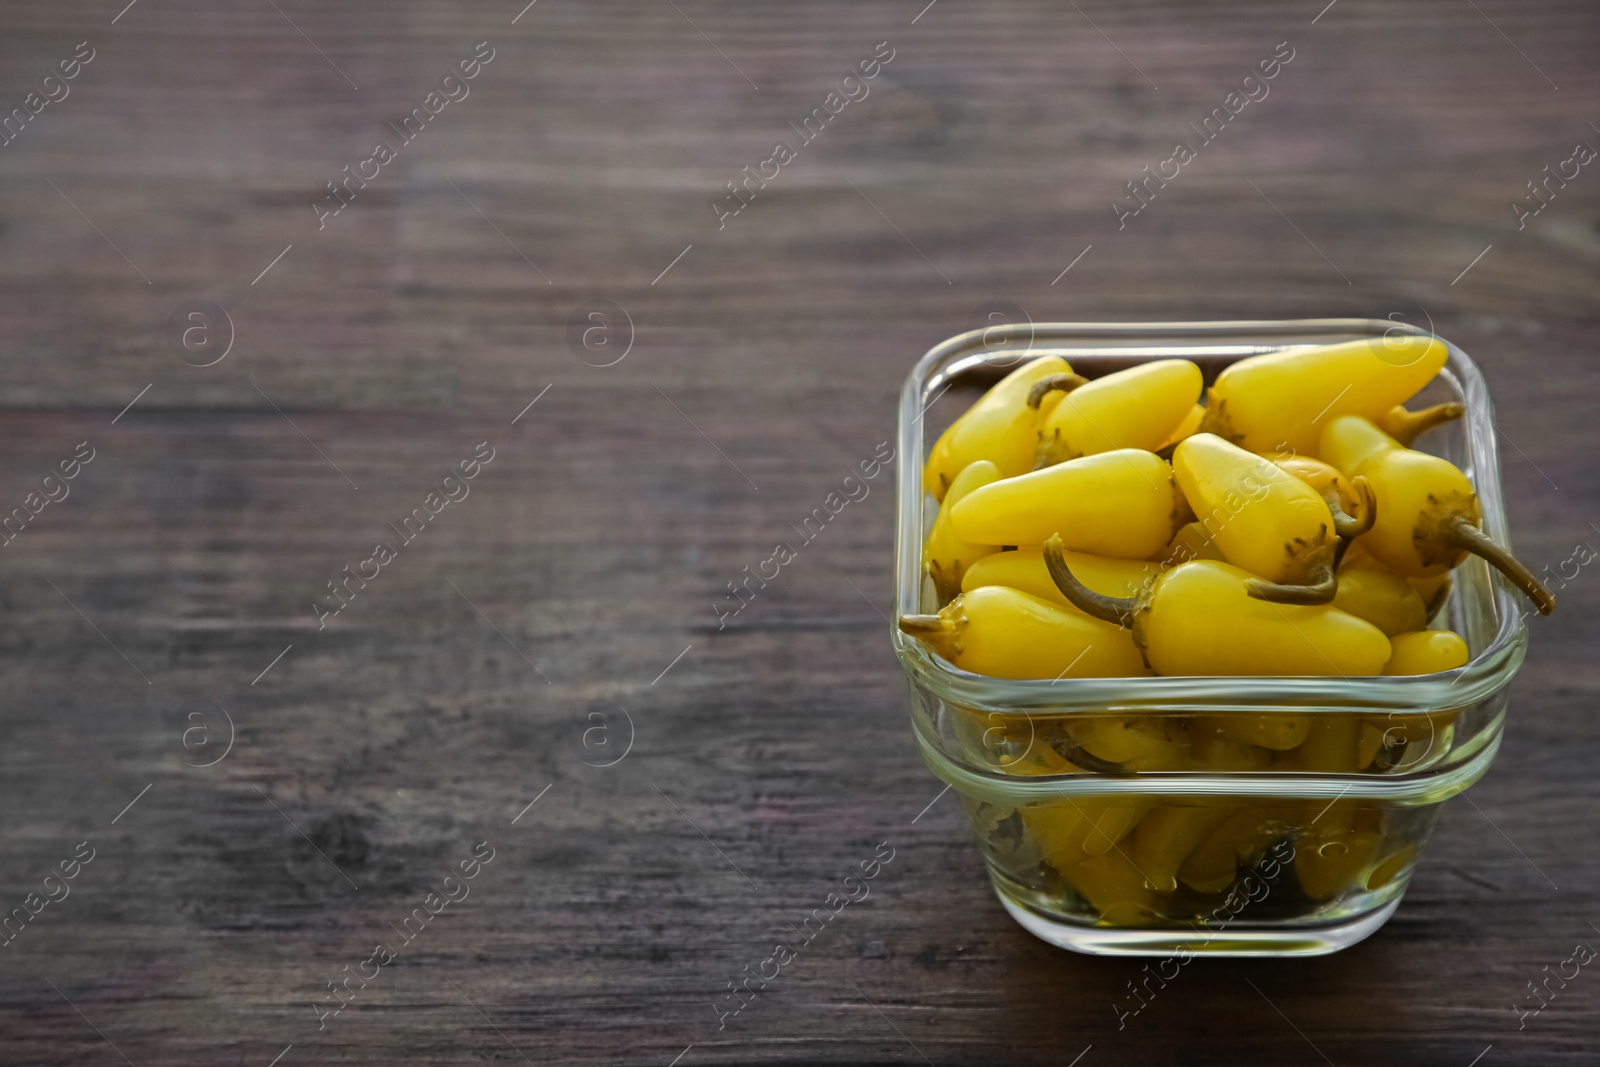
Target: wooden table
[(473, 690)]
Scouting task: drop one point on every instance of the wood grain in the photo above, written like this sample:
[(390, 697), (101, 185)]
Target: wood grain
[(775, 753)]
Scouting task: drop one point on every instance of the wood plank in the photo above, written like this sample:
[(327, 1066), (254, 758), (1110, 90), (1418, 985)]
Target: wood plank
[(775, 752)]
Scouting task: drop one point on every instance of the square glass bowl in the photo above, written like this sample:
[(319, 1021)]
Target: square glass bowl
[(1108, 822)]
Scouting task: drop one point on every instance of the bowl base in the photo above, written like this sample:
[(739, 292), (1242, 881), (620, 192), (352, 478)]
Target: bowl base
[(1239, 939)]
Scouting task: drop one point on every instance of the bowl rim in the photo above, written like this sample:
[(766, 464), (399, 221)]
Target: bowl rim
[(1419, 788), (1484, 675)]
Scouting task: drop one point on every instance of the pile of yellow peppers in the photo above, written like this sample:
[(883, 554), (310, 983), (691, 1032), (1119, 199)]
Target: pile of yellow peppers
[(1121, 527)]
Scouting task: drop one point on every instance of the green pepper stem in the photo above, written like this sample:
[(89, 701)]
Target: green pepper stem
[(1066, 383), (1321, 591), (1113, 609), (1407, 427), (1079, 756), (946, 583), (926, 625), (1464, 535), (1348, 526)]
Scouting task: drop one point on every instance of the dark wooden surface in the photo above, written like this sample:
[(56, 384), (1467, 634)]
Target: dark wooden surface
[(775, 753)]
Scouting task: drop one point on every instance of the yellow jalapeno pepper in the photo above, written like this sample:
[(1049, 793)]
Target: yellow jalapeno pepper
[(1406, 426), (1024, 569), (1333, 744), (1038, 759), (1282, 400), (1433, 591), (1200, 619), (1190, 542), (1111, 744), (1000, 428), (1134, 408), (1115, 888), (1336, 848), (1167, 835), (1336, 490), (1358, 556), (1187, 428), (1120, 503), (945, 556), (1262, 733), (1115, 823), (1214, 749), (1428, 514), (1066, 830), (1351, 503), (1008, 634), (1262, 517), (1426, 652), (1390, 866), (1212, 866), (1382, 597), (1422, 652)]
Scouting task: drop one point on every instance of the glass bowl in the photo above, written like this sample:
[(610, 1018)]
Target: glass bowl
[(1237, 816)]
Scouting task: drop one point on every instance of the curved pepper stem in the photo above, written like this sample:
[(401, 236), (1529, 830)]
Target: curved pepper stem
[(1406, 426), (927, 626), (1326, 584), (1463, 534), (1347, 526), (1117, 610), (1322, 591), (1066, 383), (1079, 756)]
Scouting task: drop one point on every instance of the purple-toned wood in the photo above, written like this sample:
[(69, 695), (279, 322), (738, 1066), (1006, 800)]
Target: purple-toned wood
[(491, 660)]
